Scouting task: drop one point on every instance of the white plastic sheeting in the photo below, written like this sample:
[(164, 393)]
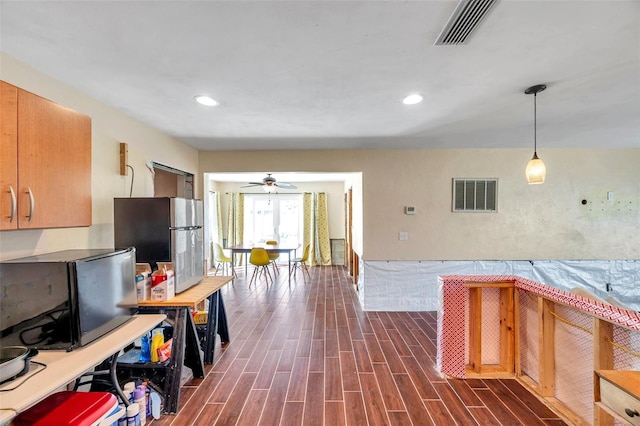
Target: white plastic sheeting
[(413, 285)]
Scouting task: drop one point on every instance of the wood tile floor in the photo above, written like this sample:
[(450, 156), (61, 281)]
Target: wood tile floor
[(306, 354)]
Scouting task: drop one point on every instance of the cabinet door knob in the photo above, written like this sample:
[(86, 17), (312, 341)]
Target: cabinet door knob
[(631, 413), (31, 204), (13, 204)]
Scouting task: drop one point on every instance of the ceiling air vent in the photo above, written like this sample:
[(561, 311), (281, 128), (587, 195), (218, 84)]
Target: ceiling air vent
[(475, 195), (464, 20)]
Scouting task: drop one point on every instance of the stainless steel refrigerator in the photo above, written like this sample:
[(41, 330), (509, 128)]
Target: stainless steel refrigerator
[(163, 229)]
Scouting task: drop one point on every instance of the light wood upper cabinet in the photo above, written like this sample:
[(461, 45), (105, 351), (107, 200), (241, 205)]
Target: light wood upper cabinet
[(8, 156), (53, 163)]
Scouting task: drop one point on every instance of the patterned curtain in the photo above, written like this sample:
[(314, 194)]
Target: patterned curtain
[(316, 228), (307, 229), (322, 252), (219, 218), (235, 220)]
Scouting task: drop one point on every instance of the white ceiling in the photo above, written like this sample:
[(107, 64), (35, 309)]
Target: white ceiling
[(331, 74)]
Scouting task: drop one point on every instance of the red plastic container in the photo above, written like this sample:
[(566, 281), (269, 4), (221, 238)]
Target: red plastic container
[(69, 408)]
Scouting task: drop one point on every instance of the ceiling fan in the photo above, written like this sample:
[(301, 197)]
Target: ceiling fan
[(269, 184)]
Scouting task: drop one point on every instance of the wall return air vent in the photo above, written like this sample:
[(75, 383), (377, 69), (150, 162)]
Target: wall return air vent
[(463, 21), (475, 195)]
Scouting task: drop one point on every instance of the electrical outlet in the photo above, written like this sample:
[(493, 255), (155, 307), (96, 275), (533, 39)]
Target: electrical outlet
[(403, 236)]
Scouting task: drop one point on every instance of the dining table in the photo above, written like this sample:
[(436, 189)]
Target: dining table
[(276, 248)]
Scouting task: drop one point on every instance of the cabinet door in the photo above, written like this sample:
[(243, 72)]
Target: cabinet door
[(8, 156), (54, 164)]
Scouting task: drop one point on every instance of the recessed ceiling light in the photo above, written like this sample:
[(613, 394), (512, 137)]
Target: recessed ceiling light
[(206, 100), (412, 99)]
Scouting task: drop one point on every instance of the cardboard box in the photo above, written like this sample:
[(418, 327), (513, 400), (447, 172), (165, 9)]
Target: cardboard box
[(143, 281), (163, 283)]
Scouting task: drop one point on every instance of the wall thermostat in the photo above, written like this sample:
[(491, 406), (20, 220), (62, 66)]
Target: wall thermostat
[(409, 210)]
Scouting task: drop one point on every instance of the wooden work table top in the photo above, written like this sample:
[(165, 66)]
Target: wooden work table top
[(194, 295)]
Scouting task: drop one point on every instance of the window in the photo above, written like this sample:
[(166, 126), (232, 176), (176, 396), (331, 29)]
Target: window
[(269, 216), (475, 195)]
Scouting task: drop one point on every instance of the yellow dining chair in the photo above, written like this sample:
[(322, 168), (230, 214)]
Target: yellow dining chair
[(301, 262), (273, 257), (219, 258), (260, 259)]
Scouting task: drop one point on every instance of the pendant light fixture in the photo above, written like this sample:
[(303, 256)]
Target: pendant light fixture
[(535, 171)]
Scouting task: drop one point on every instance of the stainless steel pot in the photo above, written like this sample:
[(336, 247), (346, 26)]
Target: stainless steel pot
[(14, 360)]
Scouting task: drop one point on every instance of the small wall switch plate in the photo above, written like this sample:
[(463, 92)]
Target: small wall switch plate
[(609, 195), (410, 210), (403, 236)]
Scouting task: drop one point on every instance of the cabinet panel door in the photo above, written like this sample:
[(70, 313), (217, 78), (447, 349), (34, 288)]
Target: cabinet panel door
[(8, 156), (54, 164)]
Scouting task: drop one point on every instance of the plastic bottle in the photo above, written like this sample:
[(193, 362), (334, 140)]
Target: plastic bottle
[(147, 398), (122, 421), (128, 389), (156, 404), (133, 415), (139, 397), (145, 348), (157, 340)]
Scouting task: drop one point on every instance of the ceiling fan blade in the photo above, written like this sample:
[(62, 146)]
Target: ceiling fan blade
[(252, 184), (285, 185)]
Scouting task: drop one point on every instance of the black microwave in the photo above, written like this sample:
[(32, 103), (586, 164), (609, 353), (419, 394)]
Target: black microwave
[(66, 299)]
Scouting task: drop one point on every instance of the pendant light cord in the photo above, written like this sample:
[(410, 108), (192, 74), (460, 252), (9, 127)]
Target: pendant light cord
[(535, 125)]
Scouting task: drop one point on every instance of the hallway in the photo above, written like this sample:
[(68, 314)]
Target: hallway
[(306, 354)]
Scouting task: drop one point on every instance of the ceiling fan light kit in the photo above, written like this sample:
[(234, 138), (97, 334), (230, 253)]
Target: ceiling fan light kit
[(269, 184), (535, 171)]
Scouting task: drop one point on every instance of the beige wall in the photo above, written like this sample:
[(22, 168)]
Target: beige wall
[(533, 221), (109, 128)]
